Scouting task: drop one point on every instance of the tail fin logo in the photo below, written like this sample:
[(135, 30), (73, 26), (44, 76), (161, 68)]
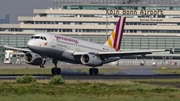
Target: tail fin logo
[(115, 39)]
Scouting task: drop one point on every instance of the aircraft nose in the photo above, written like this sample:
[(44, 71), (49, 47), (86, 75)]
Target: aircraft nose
[(30, 44)]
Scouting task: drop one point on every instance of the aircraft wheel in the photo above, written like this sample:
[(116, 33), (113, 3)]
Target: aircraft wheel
[(96, 71), (53, 71), (42, 66), (58, 70), (91, 71)]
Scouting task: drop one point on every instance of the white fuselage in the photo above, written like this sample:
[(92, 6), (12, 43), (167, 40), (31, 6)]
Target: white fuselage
[(62, 47)]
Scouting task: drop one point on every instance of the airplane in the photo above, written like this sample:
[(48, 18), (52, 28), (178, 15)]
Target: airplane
[(76, 51)]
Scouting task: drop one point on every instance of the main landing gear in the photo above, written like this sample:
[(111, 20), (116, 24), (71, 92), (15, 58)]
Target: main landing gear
[(93, 71), (43, 64), (55, 70)]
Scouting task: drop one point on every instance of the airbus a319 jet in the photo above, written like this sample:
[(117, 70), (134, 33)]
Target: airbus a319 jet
[(76, 51)]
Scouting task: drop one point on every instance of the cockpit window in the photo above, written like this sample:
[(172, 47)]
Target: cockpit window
[(42, 38), (45, 38), (32, 37), (38, 37)]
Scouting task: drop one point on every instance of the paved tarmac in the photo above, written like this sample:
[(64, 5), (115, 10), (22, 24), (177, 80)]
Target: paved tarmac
[(94, 77), (126, 72), (50, 65)]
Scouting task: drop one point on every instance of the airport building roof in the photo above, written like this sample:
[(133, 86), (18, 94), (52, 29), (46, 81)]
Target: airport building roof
[(108, 2)]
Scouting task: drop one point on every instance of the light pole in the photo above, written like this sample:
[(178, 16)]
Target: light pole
[(106, 23)]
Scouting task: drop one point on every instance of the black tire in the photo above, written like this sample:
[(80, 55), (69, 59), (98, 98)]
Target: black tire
[(53, 71), (96, 71), (43, 66), (58, 70), (91, 71), (40, 65)]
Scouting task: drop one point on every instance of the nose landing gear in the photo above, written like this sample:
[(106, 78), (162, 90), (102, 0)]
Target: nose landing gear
[(43, 64)]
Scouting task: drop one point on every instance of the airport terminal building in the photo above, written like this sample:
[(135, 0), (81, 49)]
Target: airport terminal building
[(150, 24)]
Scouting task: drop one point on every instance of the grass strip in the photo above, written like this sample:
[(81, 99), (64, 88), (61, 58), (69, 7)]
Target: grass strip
[(77, 90)]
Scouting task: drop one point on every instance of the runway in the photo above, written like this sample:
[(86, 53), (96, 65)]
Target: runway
[(122, 72), (94, 77)]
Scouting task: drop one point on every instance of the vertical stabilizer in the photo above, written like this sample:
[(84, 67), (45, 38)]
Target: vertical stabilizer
[(115, 39)]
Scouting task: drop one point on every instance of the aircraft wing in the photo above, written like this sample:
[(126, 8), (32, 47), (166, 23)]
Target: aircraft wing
[(19, 49), (121, 54)]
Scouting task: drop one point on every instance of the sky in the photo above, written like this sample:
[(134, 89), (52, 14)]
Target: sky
[(17, 8)]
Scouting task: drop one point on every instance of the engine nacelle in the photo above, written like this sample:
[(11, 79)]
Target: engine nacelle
[(91, 60), (33, 58)]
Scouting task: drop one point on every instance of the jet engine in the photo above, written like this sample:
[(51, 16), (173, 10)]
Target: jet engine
[(91, 60), (32, 58)]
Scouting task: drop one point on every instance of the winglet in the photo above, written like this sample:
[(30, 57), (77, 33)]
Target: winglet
[(115, 39)]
